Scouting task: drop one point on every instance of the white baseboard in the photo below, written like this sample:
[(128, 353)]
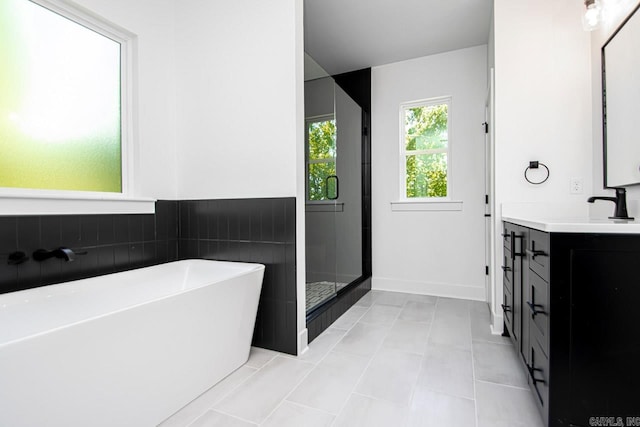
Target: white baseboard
[(448, 290), (497, 324), (303, 341)]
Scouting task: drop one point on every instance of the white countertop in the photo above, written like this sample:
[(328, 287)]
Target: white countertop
[(575, 225)]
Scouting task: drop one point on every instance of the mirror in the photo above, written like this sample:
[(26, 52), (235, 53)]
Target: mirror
[(621, 103)]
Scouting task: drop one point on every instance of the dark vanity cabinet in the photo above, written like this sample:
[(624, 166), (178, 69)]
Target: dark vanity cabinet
[(572, 308)]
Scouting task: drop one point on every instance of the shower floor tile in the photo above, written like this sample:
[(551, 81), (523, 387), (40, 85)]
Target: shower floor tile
[(405, 371)]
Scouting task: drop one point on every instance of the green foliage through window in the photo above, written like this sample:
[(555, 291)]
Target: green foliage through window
[(321, 157), (426, 145)]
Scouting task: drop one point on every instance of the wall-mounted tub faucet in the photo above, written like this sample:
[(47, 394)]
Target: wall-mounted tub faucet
[(17, 257), (621, 203), (62, 253)]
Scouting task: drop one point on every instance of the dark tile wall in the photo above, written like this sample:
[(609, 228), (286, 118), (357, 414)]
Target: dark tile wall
[(112, 243), (251, 230), (322, 319)]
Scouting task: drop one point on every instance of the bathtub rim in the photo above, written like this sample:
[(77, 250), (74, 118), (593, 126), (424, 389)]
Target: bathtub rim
[(252, 268)]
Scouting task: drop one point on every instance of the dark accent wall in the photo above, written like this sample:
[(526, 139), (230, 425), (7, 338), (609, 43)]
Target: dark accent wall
[(112, 243), (322, 319), (251, 230)]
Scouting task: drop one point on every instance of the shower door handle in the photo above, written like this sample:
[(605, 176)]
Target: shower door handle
[(337, 187)]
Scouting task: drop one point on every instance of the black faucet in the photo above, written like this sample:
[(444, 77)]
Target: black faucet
[(62, 253), (621, 203)]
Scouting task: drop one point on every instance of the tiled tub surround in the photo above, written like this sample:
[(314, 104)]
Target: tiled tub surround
[(112, 243), (392, 360), (251, 230), (248, 230)]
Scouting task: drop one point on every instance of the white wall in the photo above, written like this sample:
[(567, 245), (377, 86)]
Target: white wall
[(153, 23), (240, 106), (221, 101), (236, 98), (617, 12), (437, 253), (543, 106)]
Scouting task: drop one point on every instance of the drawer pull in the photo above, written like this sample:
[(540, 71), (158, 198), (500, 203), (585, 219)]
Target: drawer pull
[(505, 308), (534, 253), (532, 374), (534, 309), (514, 254), (505, 268)]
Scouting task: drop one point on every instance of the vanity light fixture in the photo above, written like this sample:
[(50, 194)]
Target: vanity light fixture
[(592, 17)]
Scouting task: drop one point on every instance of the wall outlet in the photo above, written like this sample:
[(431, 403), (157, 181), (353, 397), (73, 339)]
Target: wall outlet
[(576, 186)]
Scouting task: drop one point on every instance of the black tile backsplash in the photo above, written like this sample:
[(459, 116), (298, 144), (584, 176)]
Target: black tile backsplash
[(249, 230), (110, 243)]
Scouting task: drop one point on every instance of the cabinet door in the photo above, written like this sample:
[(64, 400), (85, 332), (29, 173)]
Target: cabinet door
[(605, 331)]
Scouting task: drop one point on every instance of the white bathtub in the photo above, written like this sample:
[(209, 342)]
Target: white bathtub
[(126, 349)]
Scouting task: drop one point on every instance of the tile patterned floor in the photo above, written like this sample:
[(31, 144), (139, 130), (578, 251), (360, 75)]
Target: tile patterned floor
[(392, 360)]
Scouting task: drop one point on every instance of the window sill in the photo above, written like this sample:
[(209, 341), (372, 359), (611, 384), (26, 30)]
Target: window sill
[(74, 205), (324, 207), (435, 205)]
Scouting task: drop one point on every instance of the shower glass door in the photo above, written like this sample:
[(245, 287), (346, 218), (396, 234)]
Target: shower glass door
[(333, 217)]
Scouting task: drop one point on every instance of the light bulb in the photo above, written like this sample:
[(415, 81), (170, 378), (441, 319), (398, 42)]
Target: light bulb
[(592, 16)]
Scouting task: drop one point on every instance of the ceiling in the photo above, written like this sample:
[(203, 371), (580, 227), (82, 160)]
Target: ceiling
[(347, 35)]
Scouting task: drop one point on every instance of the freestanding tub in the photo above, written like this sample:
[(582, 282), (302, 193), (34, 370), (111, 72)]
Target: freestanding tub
[(126, 349)]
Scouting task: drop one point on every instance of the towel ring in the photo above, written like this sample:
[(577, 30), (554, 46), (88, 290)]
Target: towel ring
[(535, 165)]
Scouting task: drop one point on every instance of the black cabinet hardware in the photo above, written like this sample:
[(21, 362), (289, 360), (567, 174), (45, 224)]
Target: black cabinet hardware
[(17, 257), (505, 268), (534, 309), (532, 374), (534, 253), (505, 308)]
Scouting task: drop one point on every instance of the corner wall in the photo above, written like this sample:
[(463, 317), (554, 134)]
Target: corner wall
[(430, 252), (543, 108)]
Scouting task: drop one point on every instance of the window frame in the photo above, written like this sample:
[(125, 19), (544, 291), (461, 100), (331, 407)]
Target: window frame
[(448, 100), (307, 161), (128, 124)]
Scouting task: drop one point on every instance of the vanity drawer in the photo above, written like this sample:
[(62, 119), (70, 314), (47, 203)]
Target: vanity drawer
[(538, 253), (537, 310)]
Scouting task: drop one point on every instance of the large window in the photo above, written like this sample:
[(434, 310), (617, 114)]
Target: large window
[(321, 156), (425, 149), (61, 109)]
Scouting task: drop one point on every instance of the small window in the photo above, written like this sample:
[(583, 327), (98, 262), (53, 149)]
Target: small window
[(321, 156), (425, 149), (61, 109)]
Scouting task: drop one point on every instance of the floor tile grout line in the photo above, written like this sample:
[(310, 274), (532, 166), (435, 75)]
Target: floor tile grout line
[(310, 371), (223, 413), (373, 356), (302, 405), (290, 391), (505, 385), (219, 399), (422, 363)]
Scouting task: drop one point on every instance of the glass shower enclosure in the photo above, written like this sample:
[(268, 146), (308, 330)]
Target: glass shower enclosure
[(333, 141)]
